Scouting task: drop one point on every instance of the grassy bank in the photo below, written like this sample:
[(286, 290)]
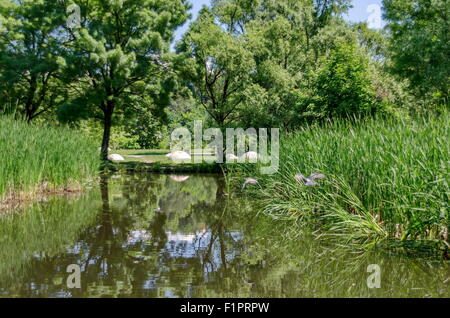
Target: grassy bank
[(386, 179), (37, 158), (155, 160)]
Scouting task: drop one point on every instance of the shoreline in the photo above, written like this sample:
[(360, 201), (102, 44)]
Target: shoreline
[(17, 199), (135, 166)]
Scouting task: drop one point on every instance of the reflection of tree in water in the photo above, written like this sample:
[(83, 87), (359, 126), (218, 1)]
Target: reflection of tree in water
[(218, 234), (157, 237), (131, 243), (32, 240)]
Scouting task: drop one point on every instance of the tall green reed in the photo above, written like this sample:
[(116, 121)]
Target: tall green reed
[(386, 178), (34, 154)]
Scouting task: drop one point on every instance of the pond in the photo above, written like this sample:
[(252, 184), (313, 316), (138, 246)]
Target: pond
[(154, 235)]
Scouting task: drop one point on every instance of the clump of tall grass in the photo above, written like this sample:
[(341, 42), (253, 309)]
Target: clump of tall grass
[(386, 178), (35, 157)]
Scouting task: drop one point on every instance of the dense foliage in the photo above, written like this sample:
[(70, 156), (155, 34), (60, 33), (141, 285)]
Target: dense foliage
[(110, 61), (260, 63), (420, 44), (39, 159), (29, 47), (350, 96)]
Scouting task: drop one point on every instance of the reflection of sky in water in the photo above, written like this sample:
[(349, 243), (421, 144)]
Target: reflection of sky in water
[(149, 284), (201, 252), (181, 247), (61, 294), (190, 246), (137, 237), (169, 294)]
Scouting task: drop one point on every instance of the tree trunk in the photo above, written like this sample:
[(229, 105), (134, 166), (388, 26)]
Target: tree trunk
[(106, 133), (29, 109)]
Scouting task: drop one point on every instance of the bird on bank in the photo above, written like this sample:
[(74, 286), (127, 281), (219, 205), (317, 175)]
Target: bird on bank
[(249, 181), (179, 156), (310, 180), (231, 157), (115, 157), (251, 155)]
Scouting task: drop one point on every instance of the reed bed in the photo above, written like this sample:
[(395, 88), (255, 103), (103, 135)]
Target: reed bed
[(36, 158), (386, 178)]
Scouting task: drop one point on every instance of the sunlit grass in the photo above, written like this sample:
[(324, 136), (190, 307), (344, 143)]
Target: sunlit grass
[(155, 155), (386, 178), (37, 156)]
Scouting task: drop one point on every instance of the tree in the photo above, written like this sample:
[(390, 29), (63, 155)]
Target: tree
[(29, 66), (287, 38), (392, 93), (253, 57), (420, 43), (119, 55), (145, 127), (309, 15), (343, 85), (373, 41), (221, 68), (235, 14)]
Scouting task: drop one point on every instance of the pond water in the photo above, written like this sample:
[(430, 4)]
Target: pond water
[(151, 235)]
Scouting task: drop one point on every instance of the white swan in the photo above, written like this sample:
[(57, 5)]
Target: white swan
[(179, 156), (251, 155), (231, 157), (116, 157)]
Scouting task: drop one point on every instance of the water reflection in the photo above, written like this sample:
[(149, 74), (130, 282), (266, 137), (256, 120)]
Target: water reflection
[(148, 235), (179, 179)]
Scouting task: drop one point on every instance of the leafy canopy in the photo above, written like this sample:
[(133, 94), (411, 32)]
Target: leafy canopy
[(420, 43)]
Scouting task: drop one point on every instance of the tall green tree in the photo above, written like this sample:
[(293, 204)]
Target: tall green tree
[(343, 85), (220, 68), (235, 14), (253, 57), (29, 47), (420, 43), (119, 55), (287, 38)]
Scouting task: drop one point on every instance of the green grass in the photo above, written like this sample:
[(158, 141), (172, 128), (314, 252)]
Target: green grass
[(155, 160), (157, 156), (32, 155), (144, 155), (386, 179)]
